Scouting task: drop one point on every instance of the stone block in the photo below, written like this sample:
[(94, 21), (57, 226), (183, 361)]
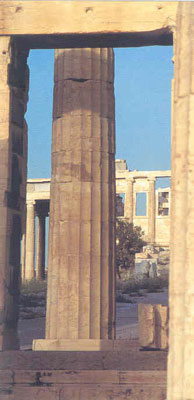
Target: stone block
[(112, 392), (145, 268), (149, 249), (164, 257), (95, 384), (6, 392), (153, 326), (141, 256), (126, 356), (72, 345), (6, 376), (142, 268), (153, 269), (163, 271), (22, 392)]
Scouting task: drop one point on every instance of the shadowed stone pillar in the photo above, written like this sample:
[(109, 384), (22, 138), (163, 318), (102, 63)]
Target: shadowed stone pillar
[(181, 339), (30, 240), (151, 211), (128, 210), (23, 256), (40, 249), (81, 273), (13, 87), (24, 180)]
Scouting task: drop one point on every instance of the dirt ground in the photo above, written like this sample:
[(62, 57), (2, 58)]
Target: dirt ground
[(126, 319)]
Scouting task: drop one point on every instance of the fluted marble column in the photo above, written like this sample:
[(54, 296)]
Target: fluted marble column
[(181, 334), (23, 256), (30, 241), (151, 210), (81, 276), (128, 209), (13, 98), (40, 249)]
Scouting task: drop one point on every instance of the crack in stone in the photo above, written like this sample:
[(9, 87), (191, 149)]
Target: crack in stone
[(77, 79)]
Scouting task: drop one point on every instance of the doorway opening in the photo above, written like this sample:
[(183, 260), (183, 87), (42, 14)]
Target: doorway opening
[(142, 123)]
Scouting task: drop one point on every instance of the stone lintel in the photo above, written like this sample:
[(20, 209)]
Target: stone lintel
[(86, 18), (126, 174), (160, 37)]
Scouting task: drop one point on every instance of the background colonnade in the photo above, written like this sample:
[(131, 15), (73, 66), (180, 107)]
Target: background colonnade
[(34, 261), (34, 242)]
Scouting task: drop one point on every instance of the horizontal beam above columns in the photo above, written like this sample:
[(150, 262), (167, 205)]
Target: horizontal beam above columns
[(142, 174), (154, 38), (100, 23)]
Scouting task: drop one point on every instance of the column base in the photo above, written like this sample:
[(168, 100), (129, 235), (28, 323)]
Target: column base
[(80, 345)]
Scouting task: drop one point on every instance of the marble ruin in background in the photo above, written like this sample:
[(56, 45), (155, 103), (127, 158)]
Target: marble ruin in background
[(155, 224)]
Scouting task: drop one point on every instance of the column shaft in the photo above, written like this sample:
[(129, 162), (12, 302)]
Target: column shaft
[(181, 344), (151, 211), (30, 241), (40, 249), (81, 274), (128, 210), (13, 88), (23, 256), (24, 185)]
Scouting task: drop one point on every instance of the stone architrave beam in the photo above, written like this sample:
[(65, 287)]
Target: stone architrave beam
[(88, 18)]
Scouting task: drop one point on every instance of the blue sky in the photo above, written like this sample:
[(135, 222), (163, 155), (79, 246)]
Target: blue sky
[(143, 98)]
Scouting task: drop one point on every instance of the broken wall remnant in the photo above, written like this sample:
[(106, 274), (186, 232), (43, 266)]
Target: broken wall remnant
[(153, 326)]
